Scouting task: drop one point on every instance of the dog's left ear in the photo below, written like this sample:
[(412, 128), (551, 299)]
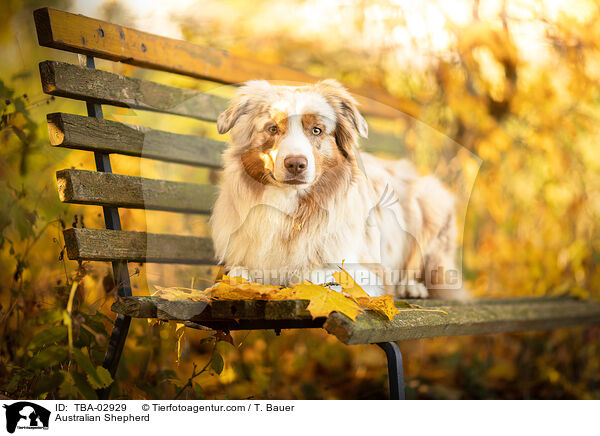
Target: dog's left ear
[(241, 104), (350, 123)]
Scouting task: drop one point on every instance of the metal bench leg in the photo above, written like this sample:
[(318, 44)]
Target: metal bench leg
[(114, 350), (116, 342), (395, 371), (112, 221)]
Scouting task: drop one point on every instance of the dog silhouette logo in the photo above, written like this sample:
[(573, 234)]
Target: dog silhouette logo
[(26, 415)]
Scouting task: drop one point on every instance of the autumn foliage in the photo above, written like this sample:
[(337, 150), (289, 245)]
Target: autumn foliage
[(504, 107)]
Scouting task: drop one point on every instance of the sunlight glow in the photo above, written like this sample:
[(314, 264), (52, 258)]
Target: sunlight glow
[(415, 31)]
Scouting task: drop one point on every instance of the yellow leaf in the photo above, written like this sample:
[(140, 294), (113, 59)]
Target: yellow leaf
[(232, 280), (174, 294), (235, 290), (348, 284), (323, 300), (383, 305)]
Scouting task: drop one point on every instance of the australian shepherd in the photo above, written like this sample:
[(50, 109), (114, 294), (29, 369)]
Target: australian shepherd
[(298, 199)]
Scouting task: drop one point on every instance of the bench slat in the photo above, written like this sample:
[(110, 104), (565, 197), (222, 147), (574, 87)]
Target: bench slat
[(470, 318), (80, 83), (116, 190), (474, 317), (95, 134), (110, 245), (80, 34), (186, 310)]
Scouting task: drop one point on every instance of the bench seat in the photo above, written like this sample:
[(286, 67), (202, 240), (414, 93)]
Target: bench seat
[(477, 316)]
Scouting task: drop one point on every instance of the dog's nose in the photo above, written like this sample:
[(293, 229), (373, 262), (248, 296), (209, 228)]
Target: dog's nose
[(295, 164)]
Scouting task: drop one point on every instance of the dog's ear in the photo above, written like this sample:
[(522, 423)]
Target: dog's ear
[(350, 123), (241, 104)]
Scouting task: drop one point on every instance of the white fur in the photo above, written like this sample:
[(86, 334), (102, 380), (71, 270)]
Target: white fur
[(250, 226)]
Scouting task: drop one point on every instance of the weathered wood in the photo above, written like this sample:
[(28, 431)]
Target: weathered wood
[(79, 34), (95, 134), (81, 83), (474, 317), (287, 308), (198, 311), (109, 245), (115, 190), (466, 318), (238, 309), (161, 309), (469, 318)]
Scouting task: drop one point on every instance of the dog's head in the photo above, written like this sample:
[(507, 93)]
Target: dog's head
[(291, 136)]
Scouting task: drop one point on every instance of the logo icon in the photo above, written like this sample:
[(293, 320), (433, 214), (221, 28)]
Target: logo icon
[(26, 415)]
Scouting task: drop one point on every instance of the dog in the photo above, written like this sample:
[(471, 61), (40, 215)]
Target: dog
[(298, 200)]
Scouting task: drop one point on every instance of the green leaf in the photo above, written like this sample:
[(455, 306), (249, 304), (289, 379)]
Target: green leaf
[(68, 390), (217, 363), (83, 387), (95, 324), (49, 317), (49, 357), (84, 362), (48, 337), (103, 375), (98, 377)]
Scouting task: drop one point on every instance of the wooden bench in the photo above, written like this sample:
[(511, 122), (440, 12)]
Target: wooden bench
[(99, 39)]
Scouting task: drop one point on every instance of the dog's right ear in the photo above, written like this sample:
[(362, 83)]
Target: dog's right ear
[(242, 103), (230, 115)]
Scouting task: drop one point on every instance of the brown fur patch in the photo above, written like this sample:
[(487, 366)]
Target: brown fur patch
[(309, 122), (255, 166), (281, 121)]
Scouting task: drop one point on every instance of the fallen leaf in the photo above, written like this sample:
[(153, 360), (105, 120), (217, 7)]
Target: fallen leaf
[(241, 291), (323, 300), (348, 284), (383, 305), (232, 280), (189, 294)]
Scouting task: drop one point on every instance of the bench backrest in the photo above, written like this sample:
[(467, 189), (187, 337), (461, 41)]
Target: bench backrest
[(95, 38)]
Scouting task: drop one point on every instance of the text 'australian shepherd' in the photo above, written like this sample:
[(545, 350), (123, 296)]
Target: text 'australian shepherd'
[(297, 199)]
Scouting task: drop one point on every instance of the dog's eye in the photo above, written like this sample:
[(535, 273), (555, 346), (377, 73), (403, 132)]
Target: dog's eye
[(272, 129), (316, 131)]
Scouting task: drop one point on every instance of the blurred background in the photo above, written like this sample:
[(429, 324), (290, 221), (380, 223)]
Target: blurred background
[(501, 100)]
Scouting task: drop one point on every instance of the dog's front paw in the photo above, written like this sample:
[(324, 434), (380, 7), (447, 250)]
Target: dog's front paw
[(411, 290)]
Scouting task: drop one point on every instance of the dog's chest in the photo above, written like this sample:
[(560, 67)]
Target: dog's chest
[(275, 234)]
